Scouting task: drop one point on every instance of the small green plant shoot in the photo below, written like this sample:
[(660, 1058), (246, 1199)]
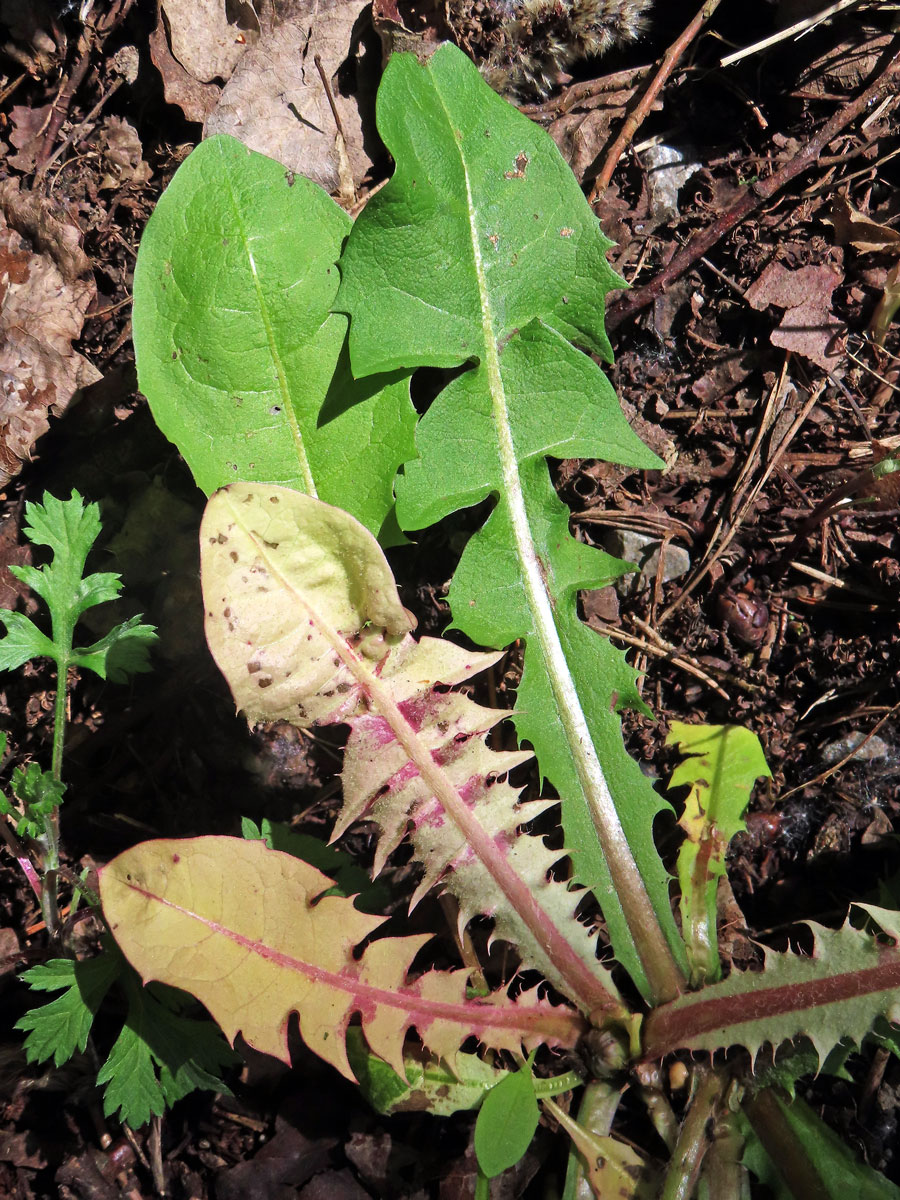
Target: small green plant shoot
[(160, 1054), (275, 343), (69, 528)]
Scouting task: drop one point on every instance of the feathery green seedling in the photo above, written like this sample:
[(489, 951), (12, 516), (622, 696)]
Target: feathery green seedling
[(69, 528), (160, 1054)]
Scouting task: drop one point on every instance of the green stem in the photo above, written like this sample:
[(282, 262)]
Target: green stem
[(693, 1140), (595, 1113), (49, 840), (59, 719), (660, 1113), (723, 1174)]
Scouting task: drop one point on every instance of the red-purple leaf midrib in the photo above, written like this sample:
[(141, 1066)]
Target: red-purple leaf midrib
[(472, 1014), (673, 1027)]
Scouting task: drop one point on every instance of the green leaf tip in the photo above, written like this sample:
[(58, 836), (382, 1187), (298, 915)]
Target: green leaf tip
[(238, 352), (722, 764)]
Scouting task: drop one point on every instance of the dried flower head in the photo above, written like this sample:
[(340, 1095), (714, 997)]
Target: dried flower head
[(529, 45)]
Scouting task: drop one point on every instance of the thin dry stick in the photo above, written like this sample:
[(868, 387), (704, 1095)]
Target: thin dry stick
[(660, 651), (770, 414), (90, 38), (59, 110), (10, 88), (798, 27), (317, 59), (759, 192), (713, 551), (80, 128), (634, 121), (746, 506)]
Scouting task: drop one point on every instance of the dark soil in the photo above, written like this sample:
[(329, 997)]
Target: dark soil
[(783, 621)]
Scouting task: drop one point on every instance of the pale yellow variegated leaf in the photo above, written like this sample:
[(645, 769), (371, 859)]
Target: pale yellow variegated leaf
[(304, 620), (243, 928)]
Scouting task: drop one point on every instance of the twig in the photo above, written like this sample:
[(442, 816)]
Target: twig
[(11, 87), (60, 107), (663, 650), (746, 506), (758, 193), (80, 128), (317, 59), (833, 581), (798, 27), (89, 38), (636, 118)]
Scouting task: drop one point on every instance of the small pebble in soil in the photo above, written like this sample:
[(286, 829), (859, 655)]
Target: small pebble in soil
[(869, 750), (645, 553)]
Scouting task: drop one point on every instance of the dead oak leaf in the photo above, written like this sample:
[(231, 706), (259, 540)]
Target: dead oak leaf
[(206, 39), (276, 102), (808, 326), (41, 313), (195, 99)]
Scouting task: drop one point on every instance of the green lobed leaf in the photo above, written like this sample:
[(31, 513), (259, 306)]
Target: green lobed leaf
[(722, 764), (159, 1056), (70, 528), (507, 1119), (23, 641), (122, 652), (482, 250), (243, 363), (56, 1030), (838, 992), (132, 1087), (39, 793)]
